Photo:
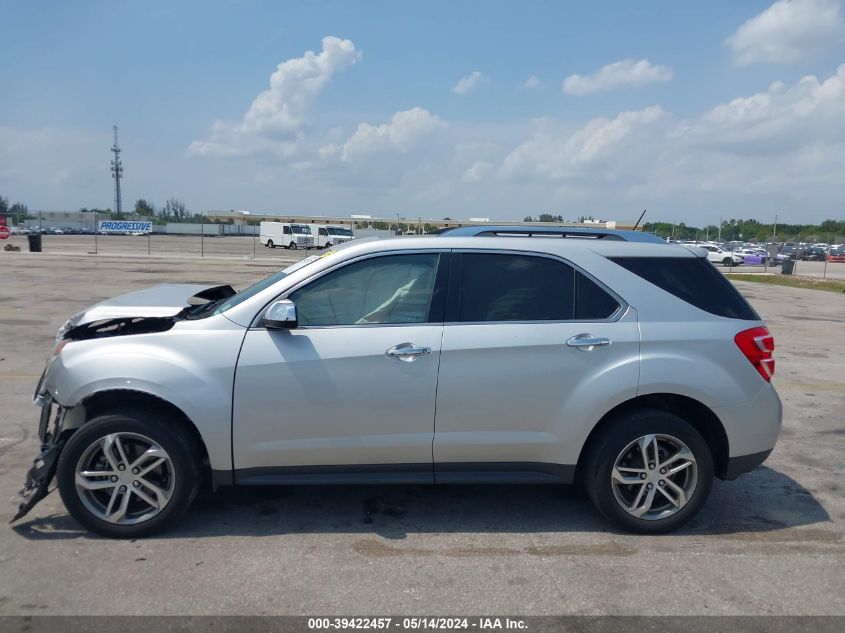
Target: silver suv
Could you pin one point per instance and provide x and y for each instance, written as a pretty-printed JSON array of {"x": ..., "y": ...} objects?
[{"x": 635, "y": 369}]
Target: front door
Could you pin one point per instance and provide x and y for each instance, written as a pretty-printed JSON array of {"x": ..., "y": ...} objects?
[{"x": 348, "y": 395}]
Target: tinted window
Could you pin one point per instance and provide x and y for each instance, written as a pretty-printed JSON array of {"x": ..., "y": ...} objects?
[
  {"x": 592, "y": 303},
  {"x": 694, "y": 280},
  {"x": 390, "y": 289},
  {"x": 497, "y": 287}
]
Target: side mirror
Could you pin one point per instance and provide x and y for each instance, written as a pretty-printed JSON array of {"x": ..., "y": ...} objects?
[{"x": 280, "y": 315}]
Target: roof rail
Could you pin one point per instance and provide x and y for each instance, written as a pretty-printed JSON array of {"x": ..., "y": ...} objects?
[{"x": 550, "y": 231}]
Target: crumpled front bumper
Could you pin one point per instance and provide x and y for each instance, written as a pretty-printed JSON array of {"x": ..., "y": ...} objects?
[{"x": 40, "y": 475}]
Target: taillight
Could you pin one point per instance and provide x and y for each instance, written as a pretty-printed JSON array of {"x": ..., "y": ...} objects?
[{"x": 757, "y": 345}]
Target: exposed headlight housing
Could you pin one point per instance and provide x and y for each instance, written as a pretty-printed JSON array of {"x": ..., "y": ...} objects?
[{"x": 64, "y": 329}]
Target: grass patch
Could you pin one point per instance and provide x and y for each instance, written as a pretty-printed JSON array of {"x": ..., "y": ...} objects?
[{"x": 792, "y": 281}]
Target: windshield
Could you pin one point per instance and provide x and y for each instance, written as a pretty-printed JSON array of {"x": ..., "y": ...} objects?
[
  {"x": 339, "y": 231},
  {"x": 257, "y": 287},
  {"x": 300, "y": 229}
]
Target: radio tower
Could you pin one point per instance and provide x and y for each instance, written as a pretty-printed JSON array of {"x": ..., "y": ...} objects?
[{"x": 116, "y": 172}]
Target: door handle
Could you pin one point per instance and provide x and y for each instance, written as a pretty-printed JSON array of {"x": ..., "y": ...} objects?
[
  {"x": 587, "y": 342},
  {"x": 407, "y": 352}
]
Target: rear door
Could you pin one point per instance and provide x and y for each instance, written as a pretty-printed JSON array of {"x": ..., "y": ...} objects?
[{"x": 533, "y": 351}]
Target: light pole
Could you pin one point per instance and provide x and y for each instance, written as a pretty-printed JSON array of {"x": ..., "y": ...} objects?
[{"x": 397, "y": 223}]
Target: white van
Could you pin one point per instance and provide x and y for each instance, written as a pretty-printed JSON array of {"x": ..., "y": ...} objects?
[
  {"x": 287, "y": 235},
  {"x": 327, "y": 235}
]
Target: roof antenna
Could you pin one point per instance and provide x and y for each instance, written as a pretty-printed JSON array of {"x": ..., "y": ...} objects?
[{"x": 640, "y": 218}]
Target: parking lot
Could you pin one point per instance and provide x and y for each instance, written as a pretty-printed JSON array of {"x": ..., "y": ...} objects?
[{"x": 768, "y": 543}]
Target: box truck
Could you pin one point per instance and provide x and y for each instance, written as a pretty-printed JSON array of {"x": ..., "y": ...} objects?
[
  {"x": 286, "y": 234},
  {"x": 328, "y": 235}
]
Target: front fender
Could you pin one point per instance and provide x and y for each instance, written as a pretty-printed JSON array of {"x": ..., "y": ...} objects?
[{"x": 190, "y": 367}]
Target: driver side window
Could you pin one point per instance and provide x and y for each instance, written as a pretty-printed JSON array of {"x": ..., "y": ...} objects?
[{"x": 389, "y": 289}]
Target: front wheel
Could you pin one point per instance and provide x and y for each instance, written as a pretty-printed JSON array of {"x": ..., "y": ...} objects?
[
  {"x": 128, "y": 474},
  {"x": 727, "y": 261},
  {"x": 292, "y": 246},
  {"x": 650, "y": 472}
]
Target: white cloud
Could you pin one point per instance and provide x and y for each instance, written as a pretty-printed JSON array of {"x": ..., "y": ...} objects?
[
  {"x": 787, "y": 32},
  {"x": 468, "y": 83},
  {"x": 478, "y": 172},
  {"x": 532, "y": 82},
  {"x": 626, "y": 73},
  {"x": 277, "y": 116},
  {"x": 405, "y": 130},
  {"x": 811, "y": 111},
  {"x": 600, "y": 142},
  {"x": 782, "y": 148}
]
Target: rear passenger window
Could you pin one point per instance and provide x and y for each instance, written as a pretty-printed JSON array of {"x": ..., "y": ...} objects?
[
  {"x": 693, "y": 279},
  {"x": 501, "y": 287},
  {"x": 498, "y": 287}
]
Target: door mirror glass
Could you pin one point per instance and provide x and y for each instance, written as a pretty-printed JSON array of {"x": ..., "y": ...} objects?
[{"x": 281, "y": 315}]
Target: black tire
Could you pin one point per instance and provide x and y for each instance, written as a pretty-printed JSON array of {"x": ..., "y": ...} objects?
[
  {"x": 603, "y": 453},
  {"x": 270, "y": 244},
  {"x": 184, "y": 456},
  {"x": 292, "y": 246},
  {"x": 727, "y": 262}
]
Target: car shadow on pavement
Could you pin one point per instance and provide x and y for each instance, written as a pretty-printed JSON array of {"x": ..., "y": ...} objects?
[{"x": 761, "y": 501}]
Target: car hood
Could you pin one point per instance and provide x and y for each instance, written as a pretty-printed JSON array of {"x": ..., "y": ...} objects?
[{"x": 162, "y": 301}]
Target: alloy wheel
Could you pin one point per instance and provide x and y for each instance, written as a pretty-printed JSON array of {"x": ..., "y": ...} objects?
[
  {"x": 654, "y": 477},
  {"x": 125, "y": 478}
]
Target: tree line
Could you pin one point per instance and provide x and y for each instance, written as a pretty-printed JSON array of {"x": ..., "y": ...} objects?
[
  {"x": 18, "y": 210},
  {"x": 173, "y": 210},
  {"x": 832, "y": 231}
]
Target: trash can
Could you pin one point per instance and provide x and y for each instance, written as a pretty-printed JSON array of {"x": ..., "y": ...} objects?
[
  {"x": 34, "y": 242},
  {"x": 788, "y": 267}
]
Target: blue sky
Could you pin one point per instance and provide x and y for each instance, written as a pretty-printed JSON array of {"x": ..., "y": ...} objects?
[{"x": 694, "y": 111}]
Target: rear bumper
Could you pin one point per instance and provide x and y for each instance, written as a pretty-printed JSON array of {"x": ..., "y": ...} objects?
[
  {"x": 752, "y": 429},
  {"x": 744, "y": 463}
]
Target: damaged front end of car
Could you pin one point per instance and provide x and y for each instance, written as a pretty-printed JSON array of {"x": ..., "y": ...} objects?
[
  {"x": 148, "y": 311},
  {"x": 40, "y": 475}
]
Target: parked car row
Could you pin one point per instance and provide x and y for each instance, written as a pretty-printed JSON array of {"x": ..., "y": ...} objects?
[
  {"x": 49, "y": 230},
  {"x": 738, "y": 253}
]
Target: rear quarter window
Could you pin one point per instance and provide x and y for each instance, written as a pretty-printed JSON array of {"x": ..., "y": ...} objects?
[{"x": 694, "y": 280}]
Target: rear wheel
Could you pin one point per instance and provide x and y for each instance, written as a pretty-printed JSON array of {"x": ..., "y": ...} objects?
[
  {"x": 128, "y": 474},
  {"x": 270, "y": 244},
  {"x": 650, "y": 472}
]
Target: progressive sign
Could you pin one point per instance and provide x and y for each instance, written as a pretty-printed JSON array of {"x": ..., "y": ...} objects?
[{"x": 124, "y": 226}]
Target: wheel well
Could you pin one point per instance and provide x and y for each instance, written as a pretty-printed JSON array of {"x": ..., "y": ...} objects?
[
  {"x": 114, "y": 400},
  {"x": 699, "y": 415}
]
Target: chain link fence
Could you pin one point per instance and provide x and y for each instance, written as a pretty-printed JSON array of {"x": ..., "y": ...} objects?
[{"x": 242, "y": 242}]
